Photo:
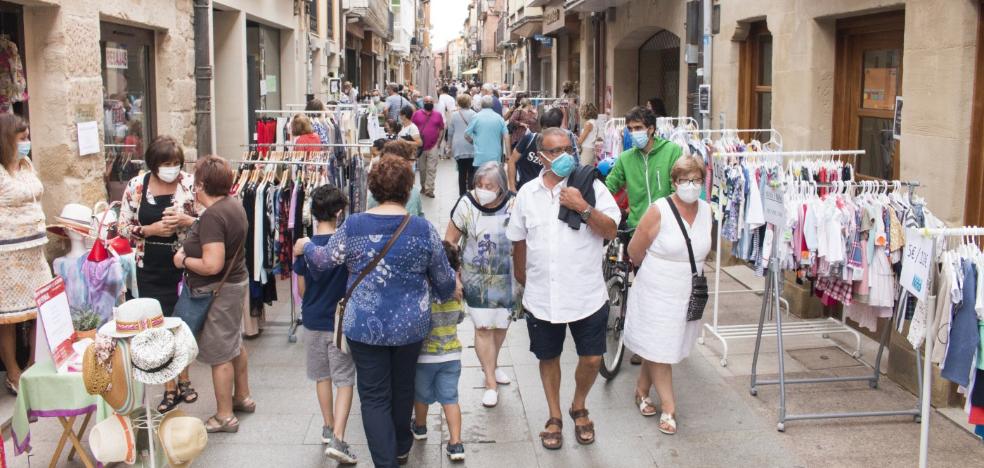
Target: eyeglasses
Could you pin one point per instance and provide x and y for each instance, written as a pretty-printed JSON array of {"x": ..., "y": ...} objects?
[
  {"x": 692, "y": 181},
  {"x": 558, "y": 151}
]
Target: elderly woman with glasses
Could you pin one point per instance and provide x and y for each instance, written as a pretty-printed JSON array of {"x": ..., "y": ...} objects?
[
  {"x": 656, "y": 325},
  {"x": 478, "y": 225}
]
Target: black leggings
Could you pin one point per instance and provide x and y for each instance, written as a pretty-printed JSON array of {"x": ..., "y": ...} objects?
[{"x": 466, "y": 172}]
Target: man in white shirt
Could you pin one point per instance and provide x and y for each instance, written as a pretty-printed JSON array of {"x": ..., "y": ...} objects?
[
  {"x": 560, "y": 268},
  {"x": 445, "y": 105}
]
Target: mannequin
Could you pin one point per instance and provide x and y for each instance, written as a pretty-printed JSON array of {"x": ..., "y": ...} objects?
[{"x": 69, "y": 267}]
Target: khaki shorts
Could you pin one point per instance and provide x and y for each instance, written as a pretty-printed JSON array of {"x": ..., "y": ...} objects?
[{"x": 325, "y": 361}]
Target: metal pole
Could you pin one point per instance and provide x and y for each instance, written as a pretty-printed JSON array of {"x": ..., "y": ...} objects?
[
  {"x": 708, "y": 12},
  {"x": 203, "y": 76}
]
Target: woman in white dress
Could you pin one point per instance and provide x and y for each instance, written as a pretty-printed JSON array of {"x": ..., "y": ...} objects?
[
  {"x": 656, "y": 326},
  {"x": 478, "y": 225}
]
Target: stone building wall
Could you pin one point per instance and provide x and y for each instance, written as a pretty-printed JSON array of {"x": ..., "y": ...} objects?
[{"x": 62, "y": 57}]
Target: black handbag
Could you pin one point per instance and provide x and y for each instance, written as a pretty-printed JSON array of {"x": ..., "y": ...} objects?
[
  {"x": 698, "y": 291},
  {"x": 193, "y": 308}
]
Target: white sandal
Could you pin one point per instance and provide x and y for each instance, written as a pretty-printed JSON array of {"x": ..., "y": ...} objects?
[
  {"x": 667, "y": 419},
  {"x": 644, "y": 404}
]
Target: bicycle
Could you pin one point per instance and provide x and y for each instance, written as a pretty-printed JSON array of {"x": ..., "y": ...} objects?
[{"x": 616, "y": 268}]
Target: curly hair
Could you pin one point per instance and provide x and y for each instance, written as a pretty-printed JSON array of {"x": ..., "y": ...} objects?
[
  {"x": 391, "y": 179},
  {"x": 400, "y": 148}
]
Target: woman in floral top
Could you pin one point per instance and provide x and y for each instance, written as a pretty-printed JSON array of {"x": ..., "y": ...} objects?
[
  {"x": 389, "y": 313},
  {"x": 158, "y": 208}
]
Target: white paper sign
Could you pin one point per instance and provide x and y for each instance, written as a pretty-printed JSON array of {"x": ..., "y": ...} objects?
[
  {"x": 55, "y": 317},
  {"x": 88, "y": 138},
  {"x": 774, "y": 211},
  {"x": 916, "y": 261},
  {"x": 116, "y": 58},
  {"x": 263, "y": 88}
]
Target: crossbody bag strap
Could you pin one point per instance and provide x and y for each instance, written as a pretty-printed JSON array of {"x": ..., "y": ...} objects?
[
  {"x": 690, "y": 249},
  {"x": 375, "y": 261}
]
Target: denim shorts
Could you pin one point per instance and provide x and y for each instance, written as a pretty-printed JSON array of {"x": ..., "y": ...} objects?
[
  {"x": 437, "y": 382},
  {"x": 547, "y": 339}
]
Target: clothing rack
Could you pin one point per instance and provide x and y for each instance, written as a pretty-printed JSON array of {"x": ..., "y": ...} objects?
[
  {"x": 723, "y": 333},
  {"x": 927, "y": 365},
  {"x": 771, "y": 306},
  {"x": 317, "y": 145},
  {"x": 294, "y": 322}
]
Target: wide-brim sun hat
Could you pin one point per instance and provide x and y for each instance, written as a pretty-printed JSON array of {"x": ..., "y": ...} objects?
[
  {"x": 135, "y": 316},
  {"x": 74, "y": 217},
  {"x": 95, "y": 377},
  {"x": 113, "y": 440},
  {"x": 182, "y": 438},
  {"x": 158, "y": 355}
]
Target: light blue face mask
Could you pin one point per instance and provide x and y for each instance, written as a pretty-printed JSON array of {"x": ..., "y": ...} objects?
[
  {"x": 640, "y": 138},
  {"x": 23, "y": 148},
  {"x": 563, "y": 165}
]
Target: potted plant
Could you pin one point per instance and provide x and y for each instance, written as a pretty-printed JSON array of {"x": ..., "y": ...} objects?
[{"x": 85, "y": 322}]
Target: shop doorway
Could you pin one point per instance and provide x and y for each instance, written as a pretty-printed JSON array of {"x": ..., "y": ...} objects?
[
  {"x": 974, "y": 212},
  {"x": 262, "y": 69},
  {"x": 868, "y": 78},
  {"x": 659, "y": 71},
  {"x": 14, "y": 98},
  {"x": 128, "y": 101}
]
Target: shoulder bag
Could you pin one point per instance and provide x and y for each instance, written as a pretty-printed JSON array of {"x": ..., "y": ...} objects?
[
  {"x": 698, "y": 291},
  {"x": 339, "y": 334},
  {"x": 193, "y": 308}
]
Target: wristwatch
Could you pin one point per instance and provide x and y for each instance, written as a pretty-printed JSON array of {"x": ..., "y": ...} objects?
[{"x": 586, "y": 214}]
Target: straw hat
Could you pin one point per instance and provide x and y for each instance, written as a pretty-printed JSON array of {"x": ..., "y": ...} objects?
[
  {"x": 75, "y": 217},
  {"x": 182, "y": 437},
  {"x": 135, "y": 316},
  {"x": 95, "y": 377},
  {"x": 123, "y": 395},
  {"x": 159, "y": 355},
  {"x": 113, "y": 440}
]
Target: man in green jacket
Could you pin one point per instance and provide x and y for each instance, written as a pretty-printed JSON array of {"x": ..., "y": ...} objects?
[
  {"x": 644, "y": 169},
  {"x": 644, "y": 172}
]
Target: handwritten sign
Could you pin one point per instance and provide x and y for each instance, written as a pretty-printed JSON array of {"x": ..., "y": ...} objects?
[
  {"x": 917, "y": 258},
  {"x": 772, "y": 206},
  {"x": 56, "y": 319},
  {"x": 88, "y": 133}
]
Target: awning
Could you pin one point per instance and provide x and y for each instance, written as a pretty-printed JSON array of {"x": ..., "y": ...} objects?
[{"x": 473, "y": 71}]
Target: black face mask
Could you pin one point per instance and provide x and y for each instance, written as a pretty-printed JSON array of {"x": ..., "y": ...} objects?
[{"x": 429, "y": 106}]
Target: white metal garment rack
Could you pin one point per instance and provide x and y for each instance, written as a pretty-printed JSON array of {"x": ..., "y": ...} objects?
[
  {"x": 927, "y": 369},
  {"x": 723, "y": 333},
  {"x": 294, "y": 320},
  {"x": 770, "y": 307}
]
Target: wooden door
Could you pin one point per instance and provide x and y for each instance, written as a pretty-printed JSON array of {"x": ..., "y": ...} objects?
[
  {"x": 974, "y": 211},
  {"x": 868, "y": 78}
]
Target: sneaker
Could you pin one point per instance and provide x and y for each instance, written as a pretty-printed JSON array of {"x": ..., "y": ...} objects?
[
  {"x": 419, "y": 432},
  {"x": 456, "y": 452},
  {"x": 501, "y": 378},
  {"x": 491, "y": 398},
  {"x": 403, "y": 459},
  {"x": 327, "y": 434},
  {"x": 339, "y": 451}
]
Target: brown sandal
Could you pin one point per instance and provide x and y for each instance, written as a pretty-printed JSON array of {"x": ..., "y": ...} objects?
[
  {"x": 553, "y": 440},
  {"x": 581, "y": 429}
]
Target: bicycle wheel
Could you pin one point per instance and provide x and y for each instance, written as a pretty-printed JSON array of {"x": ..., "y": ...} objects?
[
  {"x": 614, "y": 350},
  {"x": 609, "y": 266}
]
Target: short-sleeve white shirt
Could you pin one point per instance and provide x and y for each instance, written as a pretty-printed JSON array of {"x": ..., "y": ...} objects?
[{"x": 564, "y": 281}]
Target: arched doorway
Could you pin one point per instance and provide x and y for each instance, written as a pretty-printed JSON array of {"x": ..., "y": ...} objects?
[{"x": 659, "y": 70}]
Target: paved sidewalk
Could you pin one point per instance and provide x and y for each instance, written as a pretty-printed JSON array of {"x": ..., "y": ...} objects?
[{"x": 721, "y": 425}]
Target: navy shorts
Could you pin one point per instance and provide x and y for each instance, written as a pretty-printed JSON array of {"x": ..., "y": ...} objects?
[{"x": 547, "y": 339}]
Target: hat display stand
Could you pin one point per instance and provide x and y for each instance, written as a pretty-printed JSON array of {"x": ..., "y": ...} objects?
[{"x": 150, "y": 421}]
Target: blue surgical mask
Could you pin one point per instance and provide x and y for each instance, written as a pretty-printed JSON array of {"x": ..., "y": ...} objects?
[
  {"x": 563, "y": 165},
  {"x": 640, "y": 138},
  {"x": 23, "y": 148}
]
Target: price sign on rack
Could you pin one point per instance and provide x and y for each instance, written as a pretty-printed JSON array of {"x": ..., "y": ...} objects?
[
  {"x": 916, "y": 262},
  {"x": 772, "y": 206}
]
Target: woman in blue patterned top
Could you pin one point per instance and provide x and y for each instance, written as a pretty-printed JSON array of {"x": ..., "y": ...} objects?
[{"x": 388, "y": 315}]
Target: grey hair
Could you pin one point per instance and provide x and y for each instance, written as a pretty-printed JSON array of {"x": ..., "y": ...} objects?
[
  {"x": 492, "y": 170},
  {"x": 487, "y": 101},
  {"x": 487, "y": 87},
  {"x": 553, "y": 131}
]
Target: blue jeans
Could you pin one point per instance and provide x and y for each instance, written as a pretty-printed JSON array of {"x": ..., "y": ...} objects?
[
  {"x": 385, "y": 379},
  {"x": 437, "y": 382}
]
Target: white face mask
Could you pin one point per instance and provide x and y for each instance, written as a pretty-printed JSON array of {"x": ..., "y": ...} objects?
[
  {"x": 689, "y": 192},
  {"x": 168, "y": 174},
  {"x": 485, "y": 197}
]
